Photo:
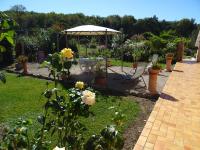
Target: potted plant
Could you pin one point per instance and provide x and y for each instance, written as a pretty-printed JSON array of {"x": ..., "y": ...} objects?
[
  {"x": 169, "y": 58},
  {"x": 180, "y": 46},
  {"x": 136, "y": 55},
  {"x": 153, "y": 73},
  {"x": 107, "y": 54},
  {"x": 100, "y": 78},
  {"x": 22, "y": 59}
]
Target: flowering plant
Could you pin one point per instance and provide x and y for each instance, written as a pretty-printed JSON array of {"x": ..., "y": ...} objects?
[
  {"x": 22, "y": 59},
  {"x": 67, "y": 53},
  {"x": 60, "y": 63},
  {"x": 61, "y": 119}
]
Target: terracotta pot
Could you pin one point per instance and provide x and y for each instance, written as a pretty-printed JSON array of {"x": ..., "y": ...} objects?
[
  {"x": 25, "y": 68},
  {"x": 100, "y": 81},
  {"x": 180, "y": 51},
  {"x": 135, "y": 65},
  {"x": 153, "y": 74},
  {"x": 169, "y": 63}
]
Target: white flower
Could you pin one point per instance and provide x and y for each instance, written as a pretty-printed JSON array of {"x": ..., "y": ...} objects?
[
  {"x": 57, "y": 148},
  {"x": 88, "y": 97}
]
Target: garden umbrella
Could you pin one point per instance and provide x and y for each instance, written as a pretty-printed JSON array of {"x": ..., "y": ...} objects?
[
  {"x": 90, "y": 30},
  {"x": 87, "y": 30}
]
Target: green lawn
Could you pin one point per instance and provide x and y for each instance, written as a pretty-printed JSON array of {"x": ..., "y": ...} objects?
[
  {"x": 117, "y": 62},
  {"x": 21, "y": 97}
]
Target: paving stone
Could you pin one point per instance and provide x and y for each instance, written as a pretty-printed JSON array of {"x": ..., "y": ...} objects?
[{"x": 175, "y": 120}]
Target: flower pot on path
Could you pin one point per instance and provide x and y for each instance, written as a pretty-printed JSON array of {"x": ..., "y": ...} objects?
[
  {"x": 180, "y": 51},
  {"x": 101, "y": 81},
  {"x": 25, "y": 70},
  {"x": 135, "y": 65},
  {"x": 169, "y": 58},
  {"x": 153, "y": 74}
]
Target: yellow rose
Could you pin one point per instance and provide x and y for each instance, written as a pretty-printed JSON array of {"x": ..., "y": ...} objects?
[
  {"x": 67, "y": 53},
  {"x": 79, "y": 85},
  {"x": 88, "y": 97}
]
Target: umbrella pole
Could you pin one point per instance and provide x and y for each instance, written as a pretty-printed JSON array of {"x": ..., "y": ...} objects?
[{"x": 106, "y": 56}]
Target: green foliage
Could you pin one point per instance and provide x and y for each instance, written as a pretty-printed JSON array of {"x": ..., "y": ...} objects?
[
  {"x": 109, "y": 139},
  {"x": 73, "y": 45},
  {"x": 2, "y": 77},
  {"x": 156, "y": 66},
  {"x": 117, "y": 45},
  {"x": 22, "y": 59},
  {"x": 58, "y": 65},
  {"x": 61, "y": 117},
  {"x": 7, "y": 33},
  {"x": 165, "y": 42},
  {"x": 185, "y": 27},
  {"x": 39, "y": 40},
  {"x": 136, "y": 46},
  {"x": 18, "y": 8},
  {"x": 17, "y": 137},
  {"x": 100, "y": 69},
  {"x": 28, "y": 105}
]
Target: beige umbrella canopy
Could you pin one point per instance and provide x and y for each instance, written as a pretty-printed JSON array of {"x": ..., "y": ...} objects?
[{"x": 90, "y": 30}]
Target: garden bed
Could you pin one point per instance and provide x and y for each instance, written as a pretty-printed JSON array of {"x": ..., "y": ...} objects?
[{"x": 21, "y": 97}]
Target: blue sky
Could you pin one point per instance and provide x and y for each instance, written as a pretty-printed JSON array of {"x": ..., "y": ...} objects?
[{"x": 164, "y": 9}]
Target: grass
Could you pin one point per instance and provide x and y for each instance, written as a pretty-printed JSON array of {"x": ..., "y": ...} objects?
[
  {"x": 21, "y": 97},
  {"x": 117, "y": 62}
]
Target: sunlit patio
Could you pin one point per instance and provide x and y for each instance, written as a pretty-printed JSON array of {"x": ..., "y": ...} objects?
[{"x": 175, "y": 120}]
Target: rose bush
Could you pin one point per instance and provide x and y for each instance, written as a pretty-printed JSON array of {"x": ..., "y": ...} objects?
[
  {"x": 88, "y": 97},
  {"x": 60, "y": 120}
]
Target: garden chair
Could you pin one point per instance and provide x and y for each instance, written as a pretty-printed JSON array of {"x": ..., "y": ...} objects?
[{"x": 138, "y": 74}]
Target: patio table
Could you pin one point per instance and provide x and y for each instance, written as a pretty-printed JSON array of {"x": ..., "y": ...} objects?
[{"x": 88, "y": 64}]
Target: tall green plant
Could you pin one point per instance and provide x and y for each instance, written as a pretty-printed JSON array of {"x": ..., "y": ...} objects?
[
  {"x": 2, "y": 77},
  {"x": 6, "y": 32}
]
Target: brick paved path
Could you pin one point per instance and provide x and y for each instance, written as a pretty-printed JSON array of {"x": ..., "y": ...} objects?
[{"x": 174, "y": 123}]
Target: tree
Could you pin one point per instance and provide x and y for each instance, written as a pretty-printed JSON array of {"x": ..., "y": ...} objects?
[
  {"x": 148, "y": 25},
  {"x": 128, "y": 24},
  {"x": 18, "y": 8},
  {"x": 185, "y": 27}
]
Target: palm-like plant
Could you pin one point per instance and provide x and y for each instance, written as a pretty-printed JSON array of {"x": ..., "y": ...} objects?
[{"x": 2, "y": 77}]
